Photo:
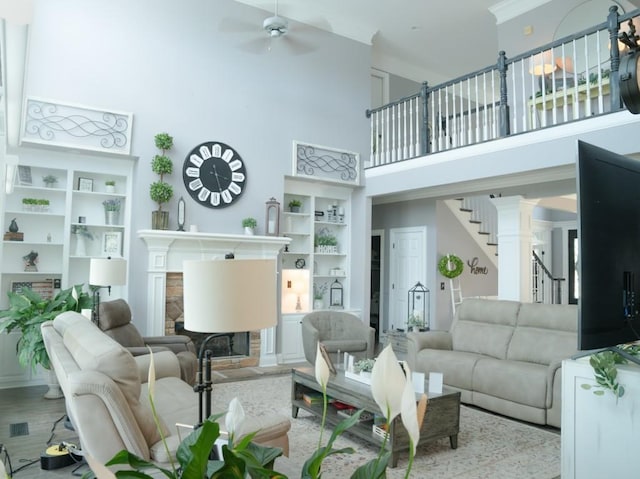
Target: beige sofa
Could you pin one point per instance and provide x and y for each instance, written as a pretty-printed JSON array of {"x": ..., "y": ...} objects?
[
  {"x": 503, "y": 356},
  {"x": 107, "y": 398}
]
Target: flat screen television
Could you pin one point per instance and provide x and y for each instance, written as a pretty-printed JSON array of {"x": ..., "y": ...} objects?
[{"x": 608, "y": 187}]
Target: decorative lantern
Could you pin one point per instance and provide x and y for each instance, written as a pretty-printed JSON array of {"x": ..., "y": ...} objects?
[
  {"x": 272, "y": 221},
  {"x": 335, "y": 295},
  {"x": 418, "y": 307}
]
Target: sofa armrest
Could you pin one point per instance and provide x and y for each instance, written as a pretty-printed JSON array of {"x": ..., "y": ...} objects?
[
  {"x": 144, "y": 350},
  {"x": 426, "y": 340},
  {"x": 176, "y": 343},
  {"x": 165, "y": 362},
  {"x": 551, "y": 374}
]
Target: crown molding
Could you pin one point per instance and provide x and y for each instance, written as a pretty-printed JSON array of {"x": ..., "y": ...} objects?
[{"x": 508, "y": 9}]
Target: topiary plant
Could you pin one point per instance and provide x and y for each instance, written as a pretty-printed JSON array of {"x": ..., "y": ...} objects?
[{"x": 160, "y": 191}]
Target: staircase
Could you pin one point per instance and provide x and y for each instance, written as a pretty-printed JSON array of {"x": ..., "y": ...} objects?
[{"x": 479, "y": 217}]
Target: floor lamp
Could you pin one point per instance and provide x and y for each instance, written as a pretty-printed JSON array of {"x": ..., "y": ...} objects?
[
  {"x": 226, "y": 296},
  {"x": 104, "y": 273}
]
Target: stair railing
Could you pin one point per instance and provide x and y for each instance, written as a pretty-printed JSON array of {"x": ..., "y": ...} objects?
[{"x": 539, "y": 273}]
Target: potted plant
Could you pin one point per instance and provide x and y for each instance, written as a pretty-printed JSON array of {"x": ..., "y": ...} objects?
[
  {"x": 160, "y": 191},
  {"x": 27, "y": 311},
  {"x": 111, "y": 211},
  {"x": 110, "y": 186},
  {"x": 82, "y": 234},
  {"x": 294, "y": 206},
  {"x": 325, "y": 242},
  {"x": 49, "y": 180},
  {"x": 249, "y": 224},
  {"x": 318, "y": 295}
]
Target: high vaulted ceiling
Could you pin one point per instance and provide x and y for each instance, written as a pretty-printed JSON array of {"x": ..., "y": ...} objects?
[{"x": 412, "y": 38}]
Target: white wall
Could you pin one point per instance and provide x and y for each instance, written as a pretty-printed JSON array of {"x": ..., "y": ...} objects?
[{"x": 177, "y": 68}]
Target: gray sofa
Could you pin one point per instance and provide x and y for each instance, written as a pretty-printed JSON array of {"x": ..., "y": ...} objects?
[{"x": 503, "y": 356}]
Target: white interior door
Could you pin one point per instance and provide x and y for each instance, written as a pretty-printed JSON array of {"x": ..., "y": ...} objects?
[
  {"x": 379, "y": 88},
  {"x": 407, "y": 264}
]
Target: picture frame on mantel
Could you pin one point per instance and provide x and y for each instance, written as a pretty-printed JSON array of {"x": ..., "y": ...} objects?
[{"x": 326, "y": 164}]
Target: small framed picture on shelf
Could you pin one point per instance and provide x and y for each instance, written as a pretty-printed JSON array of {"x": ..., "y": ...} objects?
[
  {"x": 24, "y": 175},
  {"x": 112, "y": 243},
  {"x": 85, "y": 184}
]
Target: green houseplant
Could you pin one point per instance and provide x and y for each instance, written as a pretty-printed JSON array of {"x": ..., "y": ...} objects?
[
  {"x": 49, "y": 180},
  {"x": 294, "y": 206},
  {"x": 28, "y": 310},
  {"x": 249, "y": 224},
  {"x": 161, "y": 191}
]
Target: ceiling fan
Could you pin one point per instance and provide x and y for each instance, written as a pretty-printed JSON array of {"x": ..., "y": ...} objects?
[
  {"x": 278, "y": 33},
  {"x": 276, "y": 26}
]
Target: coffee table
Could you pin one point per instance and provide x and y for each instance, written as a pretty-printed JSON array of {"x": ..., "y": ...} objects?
[{"x": 441, "y": 420}]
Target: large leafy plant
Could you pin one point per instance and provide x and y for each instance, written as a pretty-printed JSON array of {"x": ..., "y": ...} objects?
[{"x": 28, "y": 310}]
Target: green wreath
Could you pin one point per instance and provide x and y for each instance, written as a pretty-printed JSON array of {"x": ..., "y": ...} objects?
[{"x": 443, "y": 266}]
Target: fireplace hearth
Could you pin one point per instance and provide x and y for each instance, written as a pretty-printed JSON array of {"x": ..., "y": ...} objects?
[{"x": 225, "y": 345}]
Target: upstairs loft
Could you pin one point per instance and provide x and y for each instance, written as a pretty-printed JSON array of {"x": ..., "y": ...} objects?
[{"x": 511, "y": 127}]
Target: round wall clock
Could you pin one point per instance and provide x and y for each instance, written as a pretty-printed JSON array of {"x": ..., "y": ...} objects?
[{"x": 214, "y": 174}]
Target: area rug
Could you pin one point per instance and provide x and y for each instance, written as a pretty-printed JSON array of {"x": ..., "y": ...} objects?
[{"x": 489, "y": 446}]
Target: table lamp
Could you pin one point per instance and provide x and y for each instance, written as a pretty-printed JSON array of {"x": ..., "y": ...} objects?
[
  {"x": 104, "y": 273},
  {"x": 226, "y": 296}
]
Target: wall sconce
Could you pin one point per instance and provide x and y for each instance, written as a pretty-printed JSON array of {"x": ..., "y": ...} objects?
[
  {"x": 418, "y": 307},
  {"x": 295, "y": 290},
  {"x": 272, "y": 220},
  {"x": 336, "y": 298}
]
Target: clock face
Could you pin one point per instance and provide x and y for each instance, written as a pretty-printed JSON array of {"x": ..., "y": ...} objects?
[{"x": 214, "y": 174}]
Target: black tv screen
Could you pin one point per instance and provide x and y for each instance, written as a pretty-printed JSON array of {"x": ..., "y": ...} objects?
[{"x": 608, "y": 187}]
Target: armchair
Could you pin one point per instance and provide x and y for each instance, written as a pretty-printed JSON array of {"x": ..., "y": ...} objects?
[
  {"x": 106, "y": 395},
  {"x": 115, "y": 321},
  {"x": 338, "y": 331}
]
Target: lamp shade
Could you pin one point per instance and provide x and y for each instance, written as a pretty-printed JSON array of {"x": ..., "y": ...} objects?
[
  {"x": 231, "y": 295},
  {"x": 542, "y": 63},
  {"x": 107, "y": 272}
]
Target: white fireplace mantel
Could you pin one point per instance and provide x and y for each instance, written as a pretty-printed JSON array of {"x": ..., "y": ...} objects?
[{"x": 168, "y": 249}]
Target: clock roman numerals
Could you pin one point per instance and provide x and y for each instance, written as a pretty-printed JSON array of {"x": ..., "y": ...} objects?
[{"x": 214, "y": 174}]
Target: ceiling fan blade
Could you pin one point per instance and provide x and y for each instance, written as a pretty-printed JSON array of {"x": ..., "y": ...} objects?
[
  {"x": 257, "y": 46},
  {"x": 295, "y": 45}
]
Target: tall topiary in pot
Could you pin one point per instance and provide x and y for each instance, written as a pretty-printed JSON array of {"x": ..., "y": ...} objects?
[{"x": 161, "y": 191}]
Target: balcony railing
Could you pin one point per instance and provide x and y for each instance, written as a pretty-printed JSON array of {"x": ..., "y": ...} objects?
[{"x": 570, "y": 79}]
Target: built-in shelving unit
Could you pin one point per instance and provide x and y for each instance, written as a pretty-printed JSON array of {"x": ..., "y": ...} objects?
[
  {"x": 324, "y": 213},
  {"x": 51, "y": 230}
]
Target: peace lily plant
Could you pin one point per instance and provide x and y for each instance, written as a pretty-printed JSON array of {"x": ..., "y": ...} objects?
[{"x": 391, "y": 388}]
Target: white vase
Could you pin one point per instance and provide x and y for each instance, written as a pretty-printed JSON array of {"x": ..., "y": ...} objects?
[
  {"x": 81, "y": 245},
  {"x": 318, "y": 304},
  {"x": 248, "y": 230},
  {"x": 54, "y": 392},
  {"x": 110, "y": 188}
]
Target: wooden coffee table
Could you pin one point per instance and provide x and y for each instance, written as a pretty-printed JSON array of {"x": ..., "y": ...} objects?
[{"x": 442, "y": 418}]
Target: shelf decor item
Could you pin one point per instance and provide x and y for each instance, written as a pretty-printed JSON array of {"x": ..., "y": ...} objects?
[
  {"x": 295, "y": 205},
  {"x": 49, "y": 181},
  {"x": 336, "y": 299},
  {"x": 110, "y": 186},
  {"x": 318, "y": 295},
  {"x": 418, "y": 308},
  {"x": 325, "y": 242},
  {"x": 249, "y": 225},
  {"x": 13, "y": 234},
  {"x": 82, "y": 234},
  {"x": 112, "y": 243},
  {"x": 161, "y": 191},
  {"x": 30, "y": 261},
  {"x": 112, "y": 211},
  {"x": 272, "y": 218}
]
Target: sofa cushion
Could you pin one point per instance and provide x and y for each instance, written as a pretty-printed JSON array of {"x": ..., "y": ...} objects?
[
  {"x": 351, "y": 345},
  {"x": 456, "y": 366},
  {"x": 520, "y": 382},
  {"x": 484, "y": 327},
  {"x": 544, "y": 333}
]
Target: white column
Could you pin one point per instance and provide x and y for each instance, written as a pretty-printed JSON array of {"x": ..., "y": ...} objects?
[{"x": 514, "y": 247}]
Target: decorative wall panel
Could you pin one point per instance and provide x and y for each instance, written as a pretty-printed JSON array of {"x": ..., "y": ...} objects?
[{"x": 71, "y": 126}]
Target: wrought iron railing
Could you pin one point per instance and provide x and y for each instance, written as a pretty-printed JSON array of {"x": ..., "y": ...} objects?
[
  {"x": 546, "y": 288},
  {"x": 570, "y": 79}
]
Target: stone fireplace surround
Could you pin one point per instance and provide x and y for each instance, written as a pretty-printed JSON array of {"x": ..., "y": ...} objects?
[{"x": 166, "y": 252}]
